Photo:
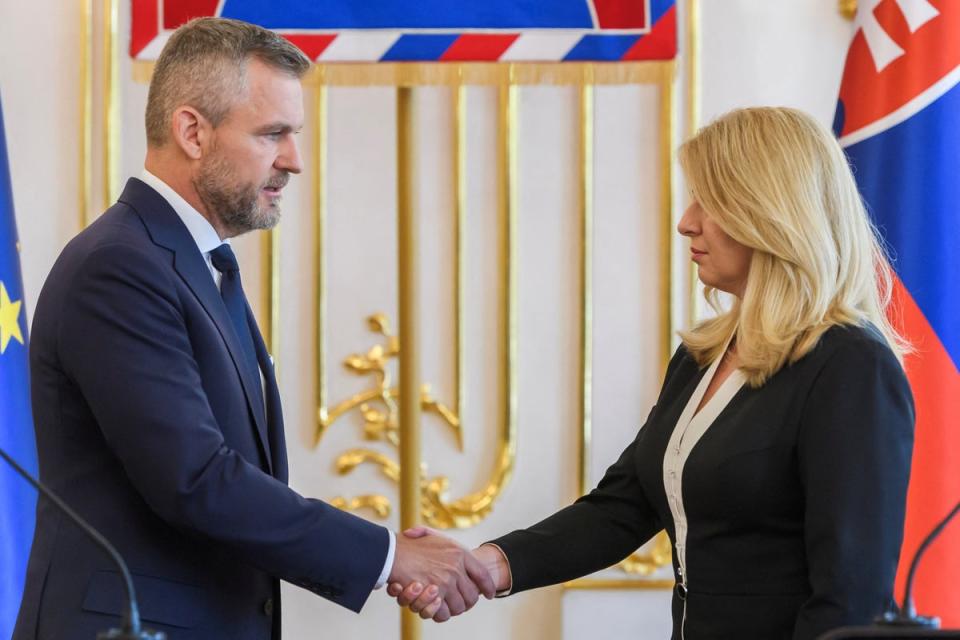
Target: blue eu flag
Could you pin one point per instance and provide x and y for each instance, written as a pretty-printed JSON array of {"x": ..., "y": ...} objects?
[{"x": 17, "y": 499}]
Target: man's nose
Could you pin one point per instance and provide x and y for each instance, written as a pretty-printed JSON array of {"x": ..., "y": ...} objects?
[{"x": 289, "y": 159}]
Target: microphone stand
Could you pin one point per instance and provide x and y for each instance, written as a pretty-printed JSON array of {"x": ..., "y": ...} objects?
[
  {"x": 131, "y": 618},
  {"x": 907, "y": 616}
]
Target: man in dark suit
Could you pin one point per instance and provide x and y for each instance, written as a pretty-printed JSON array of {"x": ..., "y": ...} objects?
[{"x": 157, "y": 411}]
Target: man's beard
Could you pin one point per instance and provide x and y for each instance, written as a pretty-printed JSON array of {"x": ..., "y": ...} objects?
[{"x": 236, "y": 206}]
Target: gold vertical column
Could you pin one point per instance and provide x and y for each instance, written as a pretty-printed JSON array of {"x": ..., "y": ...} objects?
[
  {"x": 637, "y": 563},
  {"x": 585, "y": 204},
  {"x": 111, "y": 103},
  {"x": 693, "y": 121},
  {"x": 693, "y": 66},
  {"x": 667, "y": 144},
  {"x": 320, "y": 202},
  {"x": 86, "y": 110},
  {"x": 460, "y": 208},
  {"x": 408, "y": 290},
  {"x": 472, "y": 508},
  {"x": 507, "y": 206},
  {"x": 271, "y": 290}
]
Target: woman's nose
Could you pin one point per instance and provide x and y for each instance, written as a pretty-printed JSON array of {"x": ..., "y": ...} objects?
[{"x": 688, "y": 224}]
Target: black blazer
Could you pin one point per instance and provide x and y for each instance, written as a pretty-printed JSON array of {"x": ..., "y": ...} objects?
[
  {"x": 144, "y": 426},
  {"x": 794, "y": 498}
]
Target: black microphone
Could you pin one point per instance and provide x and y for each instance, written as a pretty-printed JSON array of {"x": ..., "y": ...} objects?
[
  {"x": 131, "y": 618},
  {"x": 907, "y": 616}
]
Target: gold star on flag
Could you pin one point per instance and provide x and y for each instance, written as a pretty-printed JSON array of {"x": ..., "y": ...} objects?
[{"x": 9, "y": 319}]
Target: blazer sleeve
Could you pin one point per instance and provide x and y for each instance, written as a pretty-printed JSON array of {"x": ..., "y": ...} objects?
[
  {"x": 598, "y": 530},
  {"x": 123, "y": 340},
  {"x": 855, "y": 445}
]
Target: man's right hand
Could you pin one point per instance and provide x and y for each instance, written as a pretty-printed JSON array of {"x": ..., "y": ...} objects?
[{"x": 438, "y": 563}]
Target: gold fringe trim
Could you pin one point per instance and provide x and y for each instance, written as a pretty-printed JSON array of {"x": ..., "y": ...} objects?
[{"x": 410, "y": 74}]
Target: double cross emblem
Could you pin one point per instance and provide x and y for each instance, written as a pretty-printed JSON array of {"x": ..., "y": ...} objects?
[{"x": 883, "y": 48}]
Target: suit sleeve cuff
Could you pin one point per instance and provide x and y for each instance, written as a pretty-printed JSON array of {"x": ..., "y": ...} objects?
[{"x": 388, "y": 563}]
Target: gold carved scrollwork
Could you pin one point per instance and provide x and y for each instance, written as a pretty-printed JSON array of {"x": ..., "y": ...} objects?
[
  {"x": 645, "y": 564},
  {"x": 379, "y": 504},
  {"x": 379, "y": 408}
]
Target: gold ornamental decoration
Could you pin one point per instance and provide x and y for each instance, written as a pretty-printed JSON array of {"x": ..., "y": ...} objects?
[
  {"x": 379, "y": 410},
  {"x": 848, "y": 8}
]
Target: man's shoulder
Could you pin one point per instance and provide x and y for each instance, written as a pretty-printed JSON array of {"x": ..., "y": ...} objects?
[
  {"x": 106, "y": 261},
  {"x": 135, "y": 220},
  {"x": 120, "y": 226},
  {"x": 118, "y": 240}
]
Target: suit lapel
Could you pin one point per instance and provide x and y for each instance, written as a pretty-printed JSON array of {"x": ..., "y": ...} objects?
[
  {"x": 278, "y": 445},
  {"x": 167, "y": 230}
]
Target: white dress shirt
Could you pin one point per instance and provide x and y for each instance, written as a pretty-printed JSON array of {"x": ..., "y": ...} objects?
[
  {"x": 207, "y": 239},
  {"x": 199, "y": 227}
]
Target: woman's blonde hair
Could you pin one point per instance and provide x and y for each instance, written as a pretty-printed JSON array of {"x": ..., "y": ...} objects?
[{"x": 778, "y": 182}]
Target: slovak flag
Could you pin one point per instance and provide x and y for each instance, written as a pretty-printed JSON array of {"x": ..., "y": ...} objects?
[{"x": 898, "y": 118}]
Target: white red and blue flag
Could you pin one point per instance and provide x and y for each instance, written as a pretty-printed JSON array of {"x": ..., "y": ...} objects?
[
  {"x": 434, "y": 30},
  {"x": 898, "y": 118}
]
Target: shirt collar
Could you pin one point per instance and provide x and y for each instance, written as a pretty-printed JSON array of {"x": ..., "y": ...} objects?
[{"x": 202, "y": 232}]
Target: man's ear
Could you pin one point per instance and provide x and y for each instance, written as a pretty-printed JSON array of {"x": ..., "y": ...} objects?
[{"x": 191, "y": 131}]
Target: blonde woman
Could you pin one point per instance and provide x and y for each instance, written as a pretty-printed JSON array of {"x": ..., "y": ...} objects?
[{"x": 778, "y": 453}]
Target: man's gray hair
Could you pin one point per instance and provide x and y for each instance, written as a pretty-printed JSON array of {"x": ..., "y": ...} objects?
[{"x": 203, "y": 66}]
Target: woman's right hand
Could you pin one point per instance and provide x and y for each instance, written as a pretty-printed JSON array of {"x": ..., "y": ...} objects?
[{"x": 491, "y": 557}]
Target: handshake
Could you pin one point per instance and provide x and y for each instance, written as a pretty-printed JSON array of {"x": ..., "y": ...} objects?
[{"x": 438, "y": 579}]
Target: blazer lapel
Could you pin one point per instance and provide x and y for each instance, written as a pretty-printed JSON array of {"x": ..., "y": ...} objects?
[{"x": 167, "y": 230}]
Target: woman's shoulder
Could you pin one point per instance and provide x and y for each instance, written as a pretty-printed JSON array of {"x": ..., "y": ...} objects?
[
  {"x": 682, "y": 359},
  {"x": 680, "y": 370},
  {"x": 854, "y": 348},
  {"x": 854, "y": 337}
]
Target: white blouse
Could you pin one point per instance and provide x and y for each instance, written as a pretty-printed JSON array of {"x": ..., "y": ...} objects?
[{"x": 689, "y": 429}]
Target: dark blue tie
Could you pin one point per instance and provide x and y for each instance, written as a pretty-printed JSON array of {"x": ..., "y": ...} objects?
[{"x": 231, "y": 289}]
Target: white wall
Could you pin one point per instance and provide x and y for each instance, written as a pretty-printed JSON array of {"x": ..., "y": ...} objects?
[
  {"x": 753, "y": 52},
  {"x": 788, "y": 53},
  {"x": 40, "y": 86}
]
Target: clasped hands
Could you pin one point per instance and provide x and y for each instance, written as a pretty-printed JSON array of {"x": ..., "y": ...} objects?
[{"x": 438, "y": 579}]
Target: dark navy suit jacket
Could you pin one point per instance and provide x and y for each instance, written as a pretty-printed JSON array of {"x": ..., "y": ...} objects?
[
  {"x": 144, "y": 425},
  {"x": 794, "y": 498}
]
